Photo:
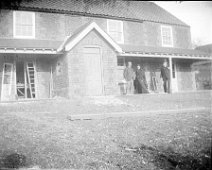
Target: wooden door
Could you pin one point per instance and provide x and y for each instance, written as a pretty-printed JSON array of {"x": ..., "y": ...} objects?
[
  {"x": 7, "y": 82},
  {"x": 93, "y": 71}
]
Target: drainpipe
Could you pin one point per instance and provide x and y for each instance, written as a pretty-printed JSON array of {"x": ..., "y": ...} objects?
[{"x": 171, "y": 76}]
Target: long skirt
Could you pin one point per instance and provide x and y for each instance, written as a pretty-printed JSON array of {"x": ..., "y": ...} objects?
[{"x": 142, "y": 86}]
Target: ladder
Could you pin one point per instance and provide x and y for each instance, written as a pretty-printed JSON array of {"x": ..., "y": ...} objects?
[
  {"x": 154, "y": 81},
  {"x": 31, "y": 78}
]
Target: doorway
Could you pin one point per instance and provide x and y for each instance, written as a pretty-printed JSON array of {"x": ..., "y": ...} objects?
[
  {"x": 93, "y": 71},
  {"x": 7, "y": 81}
]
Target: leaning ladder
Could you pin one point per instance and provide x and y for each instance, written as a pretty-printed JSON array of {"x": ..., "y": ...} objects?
[
  {"x": 31, "y": 78},
  {"x": 154, "y": 81}
]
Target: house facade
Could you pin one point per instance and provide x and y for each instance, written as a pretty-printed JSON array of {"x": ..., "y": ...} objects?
[{"x": 67, "y": 48}]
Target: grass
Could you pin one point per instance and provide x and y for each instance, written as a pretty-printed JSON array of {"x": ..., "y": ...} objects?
[
  {"x": 41, "y": 135},
  {"x": 133, "y": 143}
]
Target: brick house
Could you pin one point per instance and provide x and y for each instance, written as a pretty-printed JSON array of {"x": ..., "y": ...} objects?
[{"x": 67, "y": 48}]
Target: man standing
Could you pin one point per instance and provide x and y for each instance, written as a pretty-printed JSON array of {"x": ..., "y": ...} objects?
[
  {"x": 129, "y": 76},
  {"x": 165, "y": 74}
]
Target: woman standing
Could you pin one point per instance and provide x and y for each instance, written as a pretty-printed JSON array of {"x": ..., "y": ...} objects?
[{"x": 140, "y": 81}]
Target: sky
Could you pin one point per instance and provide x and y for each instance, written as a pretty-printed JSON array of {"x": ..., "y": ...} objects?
[{"x": 197, "y": 14}]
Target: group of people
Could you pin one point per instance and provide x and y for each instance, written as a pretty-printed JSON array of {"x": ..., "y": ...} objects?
[{"x": 136, "y": 80}]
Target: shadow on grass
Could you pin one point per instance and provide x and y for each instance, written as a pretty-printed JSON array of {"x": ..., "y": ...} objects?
[
  {"x": 13, "y": 160},
  {"x": 165, "y": 159},
  {"x": 168, "y": 159}
]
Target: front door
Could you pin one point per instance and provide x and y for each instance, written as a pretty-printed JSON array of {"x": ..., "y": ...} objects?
[
  {"x": 174, "y": 77},
  {"x": 7, "y": 81},
  {"x": 93, "y": 71}
]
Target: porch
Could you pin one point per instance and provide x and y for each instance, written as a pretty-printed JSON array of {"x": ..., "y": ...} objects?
[
  {"x": 182, "y": 63},
  {"x": 26, "y": 76}
]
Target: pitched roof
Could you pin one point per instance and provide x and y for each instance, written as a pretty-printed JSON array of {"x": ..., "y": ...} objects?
[
  {"x": 80, "y": 33},
  {"x": 129, "y": 10},
  {"x": 164, "y": 51}
]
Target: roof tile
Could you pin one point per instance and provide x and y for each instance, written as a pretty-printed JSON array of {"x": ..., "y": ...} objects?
[{"x": 135, "y": 10}]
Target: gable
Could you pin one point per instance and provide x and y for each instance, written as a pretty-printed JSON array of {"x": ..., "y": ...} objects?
[{"x": 73, "y": 40}]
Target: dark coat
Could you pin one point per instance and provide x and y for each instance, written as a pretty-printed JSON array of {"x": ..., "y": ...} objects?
[
  {"x": 140, "y": 75},
  {"x": 140, "y": 81},
  {"x": 165, "y": 73}
]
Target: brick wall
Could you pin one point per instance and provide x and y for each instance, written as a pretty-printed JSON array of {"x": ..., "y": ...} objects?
[
  {"x": 43, "y": 66},
  {"x": 203, "y": 76},
  {"x": 183, "y": 37},
  {"x": 75, "y": 22},
  {"x": 146, "y": 33},
  {"x": 51, "y": 26},
  {"x": 6, "y": 24},
  {"x": 152, "y": 34},
  {"x": 60, "y": 76},
  {"x": 134, "y": 33},
  {"x": 185, "y": 76}
]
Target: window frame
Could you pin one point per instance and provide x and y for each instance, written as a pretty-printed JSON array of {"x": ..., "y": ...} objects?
[
  {"x": 171, "y": 35},
  {"x": 14, "y": 26},
  {"x": 122, "y": 30},
  {"x": 123, "y": 59}
]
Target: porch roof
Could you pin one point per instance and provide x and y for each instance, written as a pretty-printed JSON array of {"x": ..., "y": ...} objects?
[
  {"x": 28, "y": 45},
  {"x": 164, "y": 51}
]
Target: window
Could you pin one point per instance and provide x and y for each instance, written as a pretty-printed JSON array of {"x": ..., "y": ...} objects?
[
  {"x": 23, "y": 24},
  {"x": 166, "y": 34},
  {"x": 115, "y": 30},
  {"x": 58, "y": 69},
  {"x": 120, "y": 61}
]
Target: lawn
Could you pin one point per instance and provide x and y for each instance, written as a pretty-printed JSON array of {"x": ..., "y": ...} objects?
[{"x": 48, "y": 139}]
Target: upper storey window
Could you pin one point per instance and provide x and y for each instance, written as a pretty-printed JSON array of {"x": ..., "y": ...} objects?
[
  {"x": 23, "y": 24},
  {"x": 166, "y": 34},
  {"x": 115, "y": 30}
]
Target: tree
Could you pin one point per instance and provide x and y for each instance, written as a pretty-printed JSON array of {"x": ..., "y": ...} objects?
[
  {"x": 8, "y": 4},
  {"x": 196, "y": 42}
]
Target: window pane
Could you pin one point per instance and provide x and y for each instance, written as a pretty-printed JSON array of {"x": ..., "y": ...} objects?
[
  {"x": 115, "y": 26},
  {"x": 117, "y": 36},
  {"x": 115, "y": 30},
  {"x": 120, "y": 61},
  {"x": 18, "y": 30},
  {"x": 27, "y": 30},
  {"x": 166, "y": 36},
  {"x": 112, "y": 26},
  {"x": 24, "y": 23}
]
